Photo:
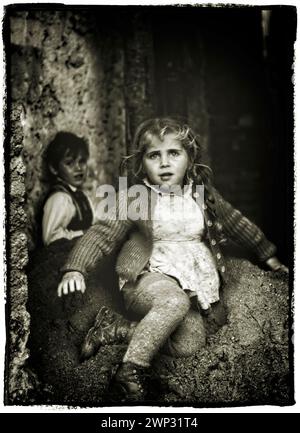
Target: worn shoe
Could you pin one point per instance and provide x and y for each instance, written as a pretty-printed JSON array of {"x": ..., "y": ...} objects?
[
  {"x": 130, "y": 382},
  {"x": 109, "y": 328}
]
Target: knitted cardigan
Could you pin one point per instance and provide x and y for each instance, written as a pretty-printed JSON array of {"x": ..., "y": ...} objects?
[{"x": 220, "y": 219}]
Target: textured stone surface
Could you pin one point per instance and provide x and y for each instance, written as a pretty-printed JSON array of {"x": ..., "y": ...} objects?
[
  {"x": 245, "y": 362},
  {"x": 19, "y": 380}
]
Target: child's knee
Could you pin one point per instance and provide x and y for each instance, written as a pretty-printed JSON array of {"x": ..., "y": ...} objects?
[{"x": 179, "y": 303}]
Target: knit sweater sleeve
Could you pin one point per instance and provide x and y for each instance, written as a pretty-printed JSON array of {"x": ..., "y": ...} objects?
[
  {"x": 99, "y": 240},
  {"x": 242, "y": 231}
]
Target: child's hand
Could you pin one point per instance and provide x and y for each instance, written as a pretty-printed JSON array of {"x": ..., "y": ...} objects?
[
  {"x": 275, "y": 265},
  {"x": 71, "y": 282}
]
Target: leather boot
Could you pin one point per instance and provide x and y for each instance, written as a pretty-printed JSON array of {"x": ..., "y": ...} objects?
[
  {"x": 130, "y": 382},
  {"x": 109, "y": 328}
]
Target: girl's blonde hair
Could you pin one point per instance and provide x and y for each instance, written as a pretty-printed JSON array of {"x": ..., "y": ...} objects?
[{"x": 159, "y": 127}]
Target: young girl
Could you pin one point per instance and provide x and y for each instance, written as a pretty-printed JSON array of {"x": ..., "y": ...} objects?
[
  {"x": 67, "y": 212},
  {"x": 171, "y": 258}
]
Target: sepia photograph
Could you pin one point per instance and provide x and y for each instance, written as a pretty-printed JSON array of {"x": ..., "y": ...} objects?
[{"x": 149, "y": 199}]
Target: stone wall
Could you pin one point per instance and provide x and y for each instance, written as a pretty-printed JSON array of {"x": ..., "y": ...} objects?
[{"x": 18, "y": 380}]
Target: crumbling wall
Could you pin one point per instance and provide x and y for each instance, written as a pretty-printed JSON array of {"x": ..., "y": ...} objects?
[{"x": 19, "y": 381}]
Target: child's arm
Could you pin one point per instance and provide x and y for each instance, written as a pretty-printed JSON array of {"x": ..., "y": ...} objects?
[
  {"x": 245, "y": 233},
  {"x": 99, "y": 240},
  {"x": 58, "y": 213}
]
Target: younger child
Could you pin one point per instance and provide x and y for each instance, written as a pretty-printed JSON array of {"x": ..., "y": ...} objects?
[
  {"x": 171, "y": 258},
  {"x": 65, "y": 215},
  {"x": 67, "y": 212}
]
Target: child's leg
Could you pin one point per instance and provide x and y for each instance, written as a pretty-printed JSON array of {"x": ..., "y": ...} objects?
[
  {"x": 189, "y": 337},
  {"x": 164, "y": 305}
]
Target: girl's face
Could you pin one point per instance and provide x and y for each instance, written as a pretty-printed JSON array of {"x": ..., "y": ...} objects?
[
  {"x": 72, "y": 169},
  {"x": 165, "y": 162}
]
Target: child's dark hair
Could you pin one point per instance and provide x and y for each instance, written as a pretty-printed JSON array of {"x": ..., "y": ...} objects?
[
  {"x": 159, "y": 127},
  {"x": 64, "y": 143}
]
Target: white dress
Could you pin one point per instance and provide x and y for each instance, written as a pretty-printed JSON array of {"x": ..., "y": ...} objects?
[{"x": 178, "y": 249}]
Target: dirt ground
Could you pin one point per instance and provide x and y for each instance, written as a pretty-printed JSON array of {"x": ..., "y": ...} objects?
[{"x": 245, "y": 362}]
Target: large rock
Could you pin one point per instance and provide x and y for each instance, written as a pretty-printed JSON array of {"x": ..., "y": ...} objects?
[{"x": 247, "y": 361}]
